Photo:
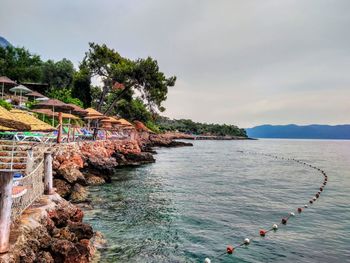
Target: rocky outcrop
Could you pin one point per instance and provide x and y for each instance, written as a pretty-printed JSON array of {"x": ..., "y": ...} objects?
[
  {"x": 51, "y": 230},
  {"x": 80, "y": 164}
]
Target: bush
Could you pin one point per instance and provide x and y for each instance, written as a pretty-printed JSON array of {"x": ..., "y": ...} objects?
[{"x": 5, "y": 105}]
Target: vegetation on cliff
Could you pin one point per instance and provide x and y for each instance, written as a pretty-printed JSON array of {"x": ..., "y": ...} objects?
[{"x": 191, "y": 127}]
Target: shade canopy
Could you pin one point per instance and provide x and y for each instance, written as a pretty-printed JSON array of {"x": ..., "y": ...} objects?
[
  {"x": 34, "y": 123},
  {"x": 125, "y": 123},
  {"x": 78, "y": 110},
  {"x": 50, "y": 113},
  {"x": 8, "y": 119},
  {"x": 110, "y": 120},
  {"x": 20, "y": 88},
  {"x": 53, "y": 103},
  {"x": 35, "y": 94},
  {"x": 6, "y": 80},
  {"x": 92, "y": 112}
]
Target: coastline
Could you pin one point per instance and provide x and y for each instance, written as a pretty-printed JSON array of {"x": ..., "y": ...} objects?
[{"x": 76, "y": 166}]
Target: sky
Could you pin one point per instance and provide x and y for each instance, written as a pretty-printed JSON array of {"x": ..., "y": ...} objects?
[{"x": 242, "y": 62}]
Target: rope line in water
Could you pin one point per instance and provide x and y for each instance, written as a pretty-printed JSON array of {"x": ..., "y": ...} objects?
[{"x": 231, "y": 249}]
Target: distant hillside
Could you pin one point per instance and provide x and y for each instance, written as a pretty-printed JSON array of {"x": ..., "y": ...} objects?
[
  {"x": 300, "y": 132},
  {"x": 4, "y": 43}
]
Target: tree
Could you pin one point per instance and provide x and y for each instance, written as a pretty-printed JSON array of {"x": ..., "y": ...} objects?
[
  {"x": 82, "y": 87},
  {"x": 58, "y": 74},
  {"x": 122, "y": 77},
  {"x": 20, "y": 65}
]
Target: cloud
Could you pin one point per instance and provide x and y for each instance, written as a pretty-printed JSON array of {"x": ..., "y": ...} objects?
[{"x": 241, "y": 62}]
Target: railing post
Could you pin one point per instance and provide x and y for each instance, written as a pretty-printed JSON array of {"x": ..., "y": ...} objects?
[
  {"x": 6, "y": 180},
  {"x": 59, "y": 135},
  {"x": 48, "y": 180},
  {"x": 30, "y": 162}
]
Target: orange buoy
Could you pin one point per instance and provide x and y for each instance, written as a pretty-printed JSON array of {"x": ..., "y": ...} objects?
[
  {"x": 262, "y": 232},
  {"x": 311, "y": 201},
  {"x": 299, "y": 210},
  {"x": 284, "y": 221},
  {"x": 321, "y": 189},
  {"x": 317, "y": 195},
  {"x": 230, "y": 249}
]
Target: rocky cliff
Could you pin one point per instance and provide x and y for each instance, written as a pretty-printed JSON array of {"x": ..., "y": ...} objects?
[{"x": 51, "y": 230}]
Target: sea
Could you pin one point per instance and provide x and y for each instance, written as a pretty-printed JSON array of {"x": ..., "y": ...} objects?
[{"x": 193, "y": 202}]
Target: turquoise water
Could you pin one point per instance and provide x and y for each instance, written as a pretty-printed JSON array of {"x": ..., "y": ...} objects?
[{"x": 194, "y": 201}]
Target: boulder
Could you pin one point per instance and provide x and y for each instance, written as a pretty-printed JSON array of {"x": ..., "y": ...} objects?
[
  {"x": 63, "y": 188},
  {"x": 81, "y": 230},
  {"x": 70, "y": 172},
  {"x": 94, "y": 180},
  {"x": 79, "y": 194}
]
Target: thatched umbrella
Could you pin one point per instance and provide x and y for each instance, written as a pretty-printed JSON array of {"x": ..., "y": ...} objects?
[
  {"x": 8, "y": 120},
  {"x": 35, "y": 124},
  {"x": 21, "y": 89},
  {"x": 5, "y": 80},
  {"x": 53, "y": 104},
  {"x": 78, "y": 110},
  {"x": 35, "y": 95}
]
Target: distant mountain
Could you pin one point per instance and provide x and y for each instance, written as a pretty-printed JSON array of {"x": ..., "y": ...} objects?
[
  {"x": 4, "y": 42},
  {"x": 293, "y": 131}
]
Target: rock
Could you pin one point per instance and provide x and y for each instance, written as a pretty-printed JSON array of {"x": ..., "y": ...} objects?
[
  {"x": 65, "y": 251},
  {"x": 78, "y": 216},
  {"x": 137, "y": 159},
  {"x": 59, "y": 216},
  {"x": 79, "y": 194},
  {"x": 27, "y": 255},
  {"x": 63, "y": 188},
  {"x": 44, "y": 257},
  {"x": 71, "y": 173},
  {"x": 94, "y": 180},
  {"x": 81, "y": 230}
]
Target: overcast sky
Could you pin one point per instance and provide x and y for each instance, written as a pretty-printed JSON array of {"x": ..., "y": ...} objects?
[{"x": 246, "y": 62}]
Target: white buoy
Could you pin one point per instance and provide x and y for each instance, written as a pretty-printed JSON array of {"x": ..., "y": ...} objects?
[
  {"x": 306, "y": 206},
  {"x": 292, "y": 214},
  {"x": 314, "y": 198},
  {"x": 274, "y": 226},
  {"x": 246, "y": 241},
  {"x": 207, "y": 260}
]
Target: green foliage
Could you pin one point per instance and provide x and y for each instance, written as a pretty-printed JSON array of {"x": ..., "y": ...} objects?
[
  {"x": 190, "y": 127},
  {"x": 20, "y": 65},
  {"x": 82, "y": 87},
  {"x": 134, "y": 110},
  {"x": 58, "y": 74},
  {"x": 152, "y": 126},
  {"x": 31, "y": 104},
  {"x": 65, "y": 95},
  {"x": 142, "y": 75},
  {"x": 5, "y": 105}
]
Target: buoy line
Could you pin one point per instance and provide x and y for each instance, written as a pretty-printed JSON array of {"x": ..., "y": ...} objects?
[{"x": 231, "y": 249}]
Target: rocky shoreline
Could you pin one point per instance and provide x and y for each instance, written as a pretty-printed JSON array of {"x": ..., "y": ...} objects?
[{"x": 52, "y": 229}]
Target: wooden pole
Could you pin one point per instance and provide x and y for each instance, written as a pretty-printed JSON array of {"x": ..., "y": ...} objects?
[
  {"x": 6, "y": 180},
  {"x": 48, "y": 179},
  {"x": 59, "y": 135}
]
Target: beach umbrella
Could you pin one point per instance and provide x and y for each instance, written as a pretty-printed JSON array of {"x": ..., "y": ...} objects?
[
  {"x": 55, "y": 105},
  {"x": 5, "y": 80},
  {"x": 35, "y": 124},
  {"x": 35, "y": 95},
  {"x": 78, "y": 110},
  {"x": 21, "y": 89},
  {"x": 9, "y": 120}
]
